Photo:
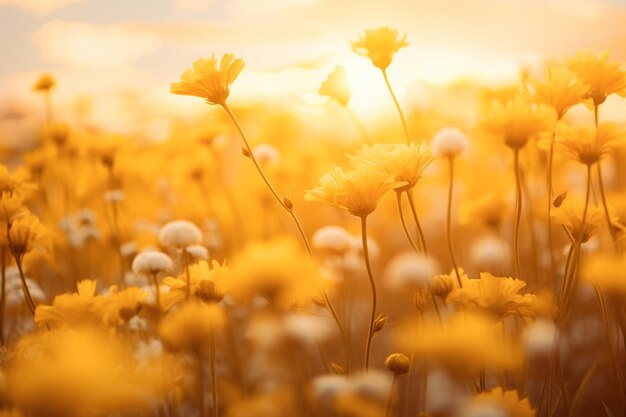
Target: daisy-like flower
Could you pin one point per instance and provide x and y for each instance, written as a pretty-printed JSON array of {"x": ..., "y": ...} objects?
[
  {"x": 380, "y": 45},
  {"x": 570, "y": 215},
  {"x": 560, "y": 89},
  {"x": 517, "y": 121},
  {"x": 405, "y": 162},
  {"x": 358, "y": 190},
  {"x": 208, "y": 80},
  {"x": 45, "y": 83},
  {"x": 191, "y": 326},
  {"x": 587, "y": 144},
  {"x": 498, "y": 296},
  {"x": 206, "y": 284},
  {"x": 336, "y": 86},
  {"x": 603, "y": 77},
  {"x": 80, "y": 308},
  {"x": 498, "y": 402}
]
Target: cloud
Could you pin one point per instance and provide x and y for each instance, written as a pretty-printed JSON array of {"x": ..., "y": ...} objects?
[
  {"x": 40, "y": 6},
  {"x": 91, "y": 46}
]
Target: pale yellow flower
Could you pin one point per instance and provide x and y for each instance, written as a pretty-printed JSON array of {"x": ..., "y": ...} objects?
[
  {"x": 207, "y": 80},
  {"x": 560, "y": 89},
  {"x": 380, "y": 45},
  {"x": 587, "y": 144},
  {"x": 336, "y": 86},
  {"x": 603, "y": 77}
]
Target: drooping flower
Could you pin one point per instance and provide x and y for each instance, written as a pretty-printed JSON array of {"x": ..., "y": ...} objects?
[
  {"x": 603, "y": 77},
  {"x": 336, "y": 86},
  {"x": 517, "y": 121},
  {"x": 380, "y": 45},
  {"x": 560, "y": 89},
  {"x": 587, "y": 144},
  {"x": 207, "y": 80},
  {"x": 357, "y": 190},
  {"x": 499, "y": 296}
]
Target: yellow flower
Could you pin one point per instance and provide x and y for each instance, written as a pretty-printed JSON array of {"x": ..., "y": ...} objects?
[
  {"x": 25, "y": 234},
  {"x": 606, "y": 271},
  {"x": 45, "y": 83},
  {"x": 517, "y": 121},
  {"x": 498, "y": 296},
  {"x": 122, "y": 305},
  {"x": 208, "y": 81},
  {"x": 336, "y": 86},
  {"x": 82, "y": 307},
  {"x": 380, "y": 45},
  {"x": 500, "y": 402},
  {"x": 464, "y": 343},
  {"x": 191, "y": 325},
  {"x": 405, "y": 162},
  {"x": 570, "y": 214},
  {"x": 357, "y": 190},
  {"x": 560, "y": 89},
  {"x": 587, "y": 144},
  {"x": 603, "y": 77},
  {"x": 209, "y": 285},
  {"x": 277, "y": 270}
]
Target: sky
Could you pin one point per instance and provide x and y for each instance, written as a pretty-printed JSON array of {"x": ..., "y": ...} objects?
[{"x": 112, "y": 54}]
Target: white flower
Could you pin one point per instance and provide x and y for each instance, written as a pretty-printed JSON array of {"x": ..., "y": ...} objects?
[
  {"x": 180, "y": 234},
  {"x": 411, "y": 271},
  {"x": 266, "y": 154},
  {"x": 152, "y": 262},
  {"x": 449, "y": 142},
  {"x": 539, "y": 338},
  {"x": 332, "y": 239}
]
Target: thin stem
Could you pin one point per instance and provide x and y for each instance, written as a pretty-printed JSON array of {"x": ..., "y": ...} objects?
[
  {"x": 48, "y": 100},
  {"x": 518, "y": 213},
  {"x": 370, "y": 331},
  {"x": 358, "y": 124},
  {"x": 418, "y": 226},
  {"x": 550, "y": 187},
  {"x": 395, "y": 101},
  {"x": 27, "y": 295},
  {"x": 280, "y": 201},
  {"x": 607, "y": 328},
  {"x": 347, "y": 346},
  {"x": 449, "y": 221},
  {"x": 157, "y": 289},
  {"x": 605, "y": 205},
  {"x": 390, "y": 399},
  {"x": 213, "y": 376},
  {"x": 402, "y": 220},
  {"x": 187, "y": 274},
  {"x": 3, "y": 295},
  {"x": 201, "y": 404}
]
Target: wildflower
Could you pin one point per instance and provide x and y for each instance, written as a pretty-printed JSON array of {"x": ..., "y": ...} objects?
[
  {"x": 357, "y": 190},
  {"x": 397, "y": 363},
  {"x": 465, "y": 343},
  {"x": 539, "y": 338},
  {"x": 380, "y": 45},
  {"x": 206, "y": 284},
  {"x": 603, "y": 77},
  {"x": 498, "y": 402},
  {"x": 336, "y": 86},
  {"x": 180, "y": 234},
  {"x": 410, "y": 270},
  {"x": 449, "y": 142},
  {"x": 560, "y": 89},
  {"x": 278, "y": 271},
  {"x": 191, "y": 325},
  {"x": 588, "y": 144},
  {"x": 332, "y": 239},
  {"x": 80, "y": 308},
  {"x": 494, "y": 295},
  {"x": 405, "y": 162},
  {"x": 122, "y": 305},
  {"x": 45, "y": 83},
  {"x": 152, "y": 262},
  {"x": 443, "y": 284},
  {"x": 517, "y": 121},
  {"x": 25, "y": 234},
  {"x": 207, "y": 80},
  {"x": 570, "y": 215}
]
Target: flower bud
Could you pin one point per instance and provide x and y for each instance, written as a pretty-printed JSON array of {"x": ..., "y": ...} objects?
[
  {"x": 442, "y": 285},
  {"x": 397, "y": 363}
]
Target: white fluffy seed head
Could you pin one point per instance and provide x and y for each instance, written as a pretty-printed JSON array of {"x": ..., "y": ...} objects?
[
  {"x": 410, "y": 271},
  {"x": 151, "y": 261},
  {"x": 180, "y": 234},
  {"x": 539, "y": 337},
  {"x": 449, "y": 142},
  {"x": 332, "y": 239},
  {"x": 198, "y": 252},
  {"x": 490, "y": 252}
]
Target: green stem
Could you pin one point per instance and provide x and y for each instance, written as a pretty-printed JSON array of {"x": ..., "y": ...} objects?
[
  {"x": 280, "y": 201},
  {"x": 449, "y": 221},
  {"x": 395, "y": 101},
  {"x": 518, "y": 213},
  {"x": 370, "y": 331}
]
